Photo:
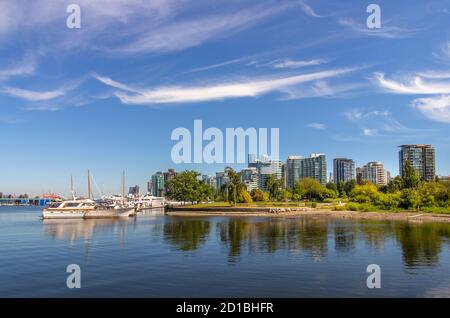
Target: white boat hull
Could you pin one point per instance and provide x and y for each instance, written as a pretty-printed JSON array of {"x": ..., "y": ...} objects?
[
  {"x": 63, "y": 214},
  {"x": 109, "y": 213}
]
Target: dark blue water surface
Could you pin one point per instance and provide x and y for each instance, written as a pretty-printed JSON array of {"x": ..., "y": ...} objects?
[{"x": 164, "y": 256}]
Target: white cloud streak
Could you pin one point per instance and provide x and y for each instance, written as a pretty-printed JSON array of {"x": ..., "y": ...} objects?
[
  {"x": 316, "y": 126},
  {"x": 369, "y": 132},
  {"x": 434, "y": 108},
  {"x": 297, "y": 64},
  {"x": 185, "y": 34},
  {"x": 415, "y": 85},
  {"x": 33, "y": 95},
  {"x": 377, "y": 122},
  {"x": 386, "y": 31},
  {"x": 308, "y": 10},
  {"x": 221, "y": 91},
  {"x": 22, "y": 68}
]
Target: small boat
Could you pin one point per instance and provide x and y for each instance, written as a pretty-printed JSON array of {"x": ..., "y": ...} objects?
[
  {"x": 87, "y": 208},
  {"x": 71, "y": 209}
]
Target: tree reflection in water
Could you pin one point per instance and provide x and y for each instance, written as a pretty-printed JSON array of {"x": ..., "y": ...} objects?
[
  {"x": 186, "y": 234},
  {"x": 308, "y": 235},
  {"x": 421, "y": 243}
]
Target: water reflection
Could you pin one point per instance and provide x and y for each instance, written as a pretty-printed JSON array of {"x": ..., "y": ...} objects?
[
  {"x": 421, "y": 244},
  {"x": 75, "y": 229},
  {"x": 186, "y": 235}
]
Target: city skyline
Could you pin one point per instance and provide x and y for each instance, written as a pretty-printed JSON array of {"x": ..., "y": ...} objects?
[
  {"x": 156, "y": 184},
  {"x": 74, "y": 100}
]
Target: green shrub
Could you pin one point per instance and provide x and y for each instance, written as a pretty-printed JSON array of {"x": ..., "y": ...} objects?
[
  {"x": 352, "y": 206},
  {"x": 366, "y": 207}
]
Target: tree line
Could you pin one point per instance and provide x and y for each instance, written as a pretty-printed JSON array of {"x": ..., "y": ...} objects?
[{"x": 408, "y": 191}]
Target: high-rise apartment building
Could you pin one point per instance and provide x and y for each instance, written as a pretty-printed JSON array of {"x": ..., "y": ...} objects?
[
  {"x": 421, "y": 157},
  {"x": 343, "y": 170},
  {"x": 314, "y": 167},
  {"x": 250, "y": 178},
  {"x": 375, "y": 173},
  {"x": 158, "y": 186}
]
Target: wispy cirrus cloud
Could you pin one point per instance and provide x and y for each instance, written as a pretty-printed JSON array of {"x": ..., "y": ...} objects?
[
  {"x": 437, "y": 107},
  {"x": 321, "y": 88},
  {"x": 377, "y": 122},
  {"x": 287, "y": 63},
  {"x": 442, "y": 54},
  {"x": 308, "y": 10},
  {"x": 386, "y": 31},
  {"x": 133, "y": 26},
  {"x": 317, "y": 126},
  {"x": 369, "y": 132},
  {"x": 25, "y": 67},
  {"x": 220, "y": 91},
  {"x": 183, "y": 34},
  {"x": 414, "y": 85},
  {"x": 434, "y": 108},
  {"x": 32, "y": 95},
  {"x": 217, "y": 65}
]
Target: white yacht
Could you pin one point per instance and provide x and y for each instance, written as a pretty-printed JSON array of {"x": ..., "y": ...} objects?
[
  {"x": 68, "y": 209},
  {"x": 87, "y": 208}
]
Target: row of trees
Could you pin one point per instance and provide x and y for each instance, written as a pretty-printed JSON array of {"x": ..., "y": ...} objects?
[{"x": 407, "y": 191}]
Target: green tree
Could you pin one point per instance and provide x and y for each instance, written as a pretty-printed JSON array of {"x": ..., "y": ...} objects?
[
  {"x": 245, "y": 197},
  {"x": 365, "y": 193},
  {"x": 309, "y": 189},
  {"x": 411, "y": 178},
  {"x": 274, "y": 185},
  {"x": 186, "y": 187},
  {"x": 395, "y": 185},
  {"x": 349, "y": 186},
  {"x": 286, "y": 195},
  {"x": 410, "y": 199},
  {"x": 235, "y": 185},
  {"x": 259, "y": 195},
  {"x": 388, "y": 201},
  {"x": 332, "y": 186}
]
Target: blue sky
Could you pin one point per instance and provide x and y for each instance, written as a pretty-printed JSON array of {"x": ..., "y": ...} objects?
[{"x": 108, "y": 95}]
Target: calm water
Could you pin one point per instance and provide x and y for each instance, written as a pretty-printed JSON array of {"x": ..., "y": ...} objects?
[{"x": 163, "y": 256}]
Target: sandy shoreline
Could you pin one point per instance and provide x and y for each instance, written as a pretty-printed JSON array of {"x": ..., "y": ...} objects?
[{"x": 381, "y": 216}]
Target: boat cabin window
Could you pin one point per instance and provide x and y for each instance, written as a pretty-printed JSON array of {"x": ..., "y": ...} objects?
[
  {"x": 72, "y": 204},
  {"x": 54, "y": 205}
]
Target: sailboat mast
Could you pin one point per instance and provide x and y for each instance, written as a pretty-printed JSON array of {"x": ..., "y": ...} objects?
[
  {"x": 89, "y": 184},
  {"x": 71, "y": 188},
  {"x": 123, "y": 186}
]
